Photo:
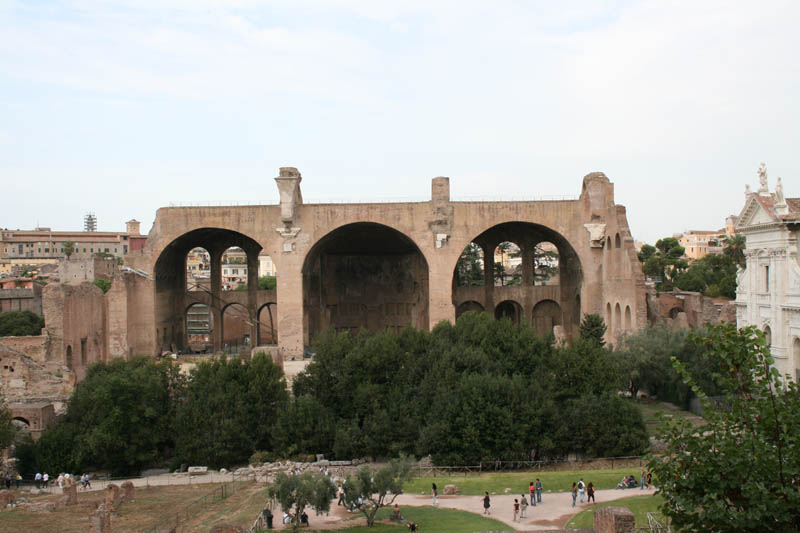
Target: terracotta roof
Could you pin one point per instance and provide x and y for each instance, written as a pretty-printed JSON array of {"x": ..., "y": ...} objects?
[{"x": 794, "y": 206}]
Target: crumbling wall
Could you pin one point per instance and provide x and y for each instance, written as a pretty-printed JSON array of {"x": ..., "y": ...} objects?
[
  {"x": 75, "y": 322},
  {"x": 688, "y": 309}
]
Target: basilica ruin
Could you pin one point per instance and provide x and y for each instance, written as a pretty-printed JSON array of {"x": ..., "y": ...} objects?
[{"x": 378, "y": 266}]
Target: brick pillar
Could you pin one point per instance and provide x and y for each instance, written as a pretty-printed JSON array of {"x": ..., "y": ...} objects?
[
  {"x": 292, "y": 327},
  {"x": 440, "y": 292},
  {"x": 216, "y": 298},
  {"x": 252, "y": 295},
  {"x": 488, "y": 277}
]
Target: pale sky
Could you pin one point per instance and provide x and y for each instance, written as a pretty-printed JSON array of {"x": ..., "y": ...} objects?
[{"x": 122, "y": 107}]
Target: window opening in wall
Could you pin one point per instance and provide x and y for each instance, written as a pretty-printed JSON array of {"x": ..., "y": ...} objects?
[
  {"x": 766, "y": 278},
  {"x": 83, "y": 351},
  {"x": 69, "y": 357}
]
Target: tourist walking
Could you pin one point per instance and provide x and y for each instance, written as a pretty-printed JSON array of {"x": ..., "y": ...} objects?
[
  {"x": 643, "y": 480},
  {"x": 434, "y": 493},
  {"x": 574, "y": 493},
  {"x": 37, "y": 479},
  {"x": 516, "y": 509},
  {"x": 523, "y": 505},
  {"x": 649, "y": 478},
  {"x": 17, "y": 479},
  {"x": 590, "y": 492},
  {"x": 538, "y": 490},
  {"x": 532, "y": 493},
  {"x": 45, "y": 479},
  {"x": 486, "y": 503},
  {"x": 581, "y": 489}
]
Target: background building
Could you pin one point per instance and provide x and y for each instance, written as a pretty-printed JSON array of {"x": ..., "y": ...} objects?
[
  {"x": 26, "y": 249},
  {"x": 768, "y": 292}
]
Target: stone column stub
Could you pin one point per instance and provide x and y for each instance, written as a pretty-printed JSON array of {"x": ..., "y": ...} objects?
[
  {"x": 441, "y": 221},
  {"x": 288, "y": 182}
]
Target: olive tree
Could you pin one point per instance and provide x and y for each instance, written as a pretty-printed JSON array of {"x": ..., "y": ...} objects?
[
  {"x": 368, "y": 491},
  {"x": 295, "y": 493}
]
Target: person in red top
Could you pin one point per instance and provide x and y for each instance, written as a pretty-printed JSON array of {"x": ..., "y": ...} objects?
[{"x": 516, "y": 509}]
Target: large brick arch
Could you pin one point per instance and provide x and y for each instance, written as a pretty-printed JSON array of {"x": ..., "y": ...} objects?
[
  {"x": 364, "y": 275},
  {"x": 582, "y": 228}
]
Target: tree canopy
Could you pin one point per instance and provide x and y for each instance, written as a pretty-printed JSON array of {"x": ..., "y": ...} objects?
[
  {"x": 664, "y": 261},
  {"x": 20, "y": 324},
  {"x": 739, "y": 472},
  {"x": 368, "y": 491},
  {"x": 295, "y": 493}
]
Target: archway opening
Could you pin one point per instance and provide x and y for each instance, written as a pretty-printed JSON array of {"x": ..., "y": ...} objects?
[
  {"x": 507, "y": 264},
  {"x": 234, "y": 269},
  {"x": 628, "y": 318},
  {"x": 198, "y": 270},
  {"x": 21, "y": 424},
  {"x": 546, "y": 314},
  {"x": 364, "y": 275},
  {"x": 545, "y": 263},
  {"x": 268, "y": 324},
  {"x": 470, "y": 267},
  {"x": 617, "y": 318},
  {"x": 235, "y": 328},
  {"x": 617, "y": 241},
  {"x": 173, "y": 276},
  {"x": 529, "y": 263},
  {"x": 469, "y": 306},
  {"x": 68, "y": 357},
  {"x": 199, "y": 326},
  {"x": 509, "y": 309}
]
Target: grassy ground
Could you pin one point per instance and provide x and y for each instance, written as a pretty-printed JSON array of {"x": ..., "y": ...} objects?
[
  {"x": 150, "y": 506},
  {"x": 653, "y": 411},
  {"x": 432, "y": 520},
  {"x": 639, "y": 506},
  {"x": 474, "y": 485}
]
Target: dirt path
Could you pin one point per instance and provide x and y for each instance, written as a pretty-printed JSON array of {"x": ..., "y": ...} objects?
[{"x": 554, "y": 511}]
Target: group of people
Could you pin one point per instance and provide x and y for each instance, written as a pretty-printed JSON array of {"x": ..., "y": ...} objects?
[
  {"x": 42, "y": 481},
  {"x": 8, "y": 477},
  {"x": 583, "y": 491}
]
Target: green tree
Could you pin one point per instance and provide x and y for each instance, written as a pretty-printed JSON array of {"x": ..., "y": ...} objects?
[
  {"x": 593, "y": 328},
  {"x": 646, "y": 358},
  {"x": 714, "y": 274},
  {"x": 664, "y": 261},
  {"x": 69, "y": 248},
  {"x": 20, "y": 324},
  {"x": 545, "y": 264},
  {"x": 368, "y": 491},
  {"x": 734, "y": 248},
  {"x": 265, "y": 283},
  {"x": 7, "y": 429},
  {"x": 102, "y": 284},
  {"x": 227, "y": 409},
  {"x": 469, "y": 268},
  {"x": 295, "y": 493},
  {"x": 117, "y": 419},
  {"x": 742, "y": 470}
]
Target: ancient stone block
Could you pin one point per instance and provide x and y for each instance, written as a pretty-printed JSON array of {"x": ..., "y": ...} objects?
[
  {"x": 100, "y": 520},
  {"x": 70, "y": 492},
  {"x": 128, "y": 491},
  {"x": 614, "y": 520},
  {"x": 450, "y": 490},
  {"x": 113, "y": 498},
  {"x": 198, "y": 470},
  {"x": 5, "y": 498}
]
